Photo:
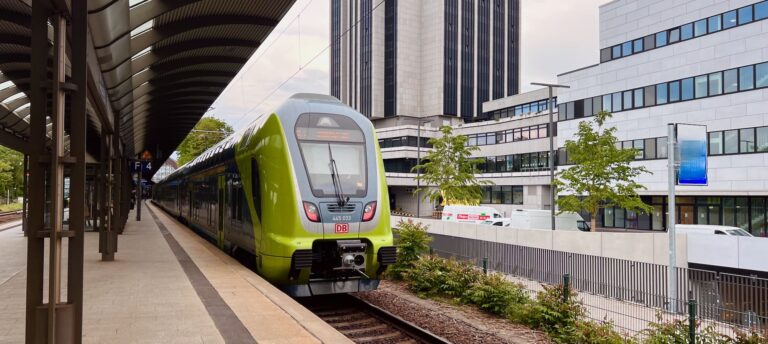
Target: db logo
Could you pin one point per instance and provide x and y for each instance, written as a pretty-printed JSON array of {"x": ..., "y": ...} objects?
[{"x": 341, "y": 228}]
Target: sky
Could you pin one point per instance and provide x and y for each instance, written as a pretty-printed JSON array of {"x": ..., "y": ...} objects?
[{"x": 557, "y": 36}]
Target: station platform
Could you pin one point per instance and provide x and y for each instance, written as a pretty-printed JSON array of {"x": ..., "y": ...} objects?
[{"x": 166, "y": 285}]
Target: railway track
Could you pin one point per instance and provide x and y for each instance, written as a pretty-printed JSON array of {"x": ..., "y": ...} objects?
[
  {"x": 362, "y": 322},
  {"x": 6, "y": 216}
]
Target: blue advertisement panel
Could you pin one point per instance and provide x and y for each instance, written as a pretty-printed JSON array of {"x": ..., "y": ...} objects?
[{"x": 692, "y": 147}]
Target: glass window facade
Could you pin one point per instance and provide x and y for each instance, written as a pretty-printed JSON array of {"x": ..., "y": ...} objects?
[
  {"x": 698, "y": 28},
  {"x": 748, "y": 213},
  {"x": 709, "y": 85},
  {"x": 503, "y": 194}
]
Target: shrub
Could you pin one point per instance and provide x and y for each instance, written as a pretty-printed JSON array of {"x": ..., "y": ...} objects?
[
  {"x": 426, "y": 276},
  {"x": 495, "y": 294},
  {"x": 550, "y": 313},
  {"x": 597, "y": 333},
  {"x": 459, "y": 276},
  {"x": 411, "y": 242},
  {"x": 751, "y": 337},
  {"x": 677, "y": 331}
]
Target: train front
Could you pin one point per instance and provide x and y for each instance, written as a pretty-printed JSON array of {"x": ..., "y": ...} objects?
[{"x": 342, "y": 201}]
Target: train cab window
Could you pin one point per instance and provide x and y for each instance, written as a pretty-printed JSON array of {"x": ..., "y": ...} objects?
[{"x": 333, "y": 145}]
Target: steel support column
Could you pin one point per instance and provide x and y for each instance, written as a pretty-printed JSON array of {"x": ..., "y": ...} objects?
[
  {"x": 36, "y": 329},
  {"x": 52, "y": 320},
  {"x": 25, "y": 197},
  {"x": 77, "y": 177},
  {"x": 107, "y": 237},
  {"x": 117, "y": 181}
]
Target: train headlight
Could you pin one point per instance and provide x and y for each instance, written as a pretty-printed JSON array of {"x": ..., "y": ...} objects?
[
  {"x": 312, "y": 213},
  {"x": 369, "y": 211}
]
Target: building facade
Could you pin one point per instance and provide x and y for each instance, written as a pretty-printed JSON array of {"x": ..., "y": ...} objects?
[
  {"x": 514, "y": 145},
  {"x": 423, "y": 58},
  {"x": 697, "y": 62}
]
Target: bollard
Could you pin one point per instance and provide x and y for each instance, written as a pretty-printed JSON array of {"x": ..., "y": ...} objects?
[
  {"x": 566, "y": 287},
  {"x": 485, "y": 265},
  {"x": 692, "y": 321}
]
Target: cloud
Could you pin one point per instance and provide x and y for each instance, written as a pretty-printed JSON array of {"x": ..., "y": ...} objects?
[{"x": 556, "y": 36}]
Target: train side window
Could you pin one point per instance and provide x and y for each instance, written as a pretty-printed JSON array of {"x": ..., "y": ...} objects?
[{"x": 255, "y": 187}]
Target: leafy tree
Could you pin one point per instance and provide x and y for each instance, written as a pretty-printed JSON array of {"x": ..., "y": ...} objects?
[
  {"x": 601, "y": 176},
  {"x": 206, "y": 133},
  {"x": 450, "y": 167},
  {"x": 11, "y": 172}
]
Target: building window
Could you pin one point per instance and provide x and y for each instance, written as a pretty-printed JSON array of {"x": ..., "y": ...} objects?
[
  {"x": 731, "y": 142},
  {"x": 661, "y": 39},
  {"x": 627, "y": 100},
  {"x": 714, "y": 23},
  {"x": 637, "y": 45},
  {"x": 638, "y": 95},
  {"x": 715, "y": 83},
  {"x": 686, "y": 31},
  {"x": 616, "y": 52},
  {"x": 729, "y": 19},
  {"x": 716, "y": 143},
  {"x": 731, "y": 80},
  {"x": 700, "y": 28},
  {"x": 661, "y": 93},
  {"x": 686, "y": 89},
  {"x": 390, "y": 58},
  {"x": 674, "y": 91},
  {"x": 661, "y": 148},
  {"x": 616, "y": 102},
  {"x": 762, "y": 139},
  {"x": 450, "y": 66},
  {"x": 745, "y": 15},
  {"x": 761, "y": 10},
  {"x": 761, "y": 74},
  {"x": 746, "y": 78},
  {"x": 701, "y": 86},
  {"x": 674, "y": 35},
  {"x": 747, "y": 140},
  {"x": 626, "y": 49}
]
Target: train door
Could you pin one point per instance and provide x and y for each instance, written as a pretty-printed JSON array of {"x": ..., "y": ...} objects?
[{"x": 222, "y": 184}]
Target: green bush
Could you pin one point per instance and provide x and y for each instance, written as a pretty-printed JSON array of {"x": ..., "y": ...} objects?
[
  {"x": 595, "y": 333},
  {"x": 459, "y": 276},
  {"x": 495, "y": 294},
  {"x": 677, "y": 332},
  {"x": 412, "y": 241},
  {"x": 751, "y": 337},
  {"x": 551, "y": 314},
  {"x": 427, "y": 276}
]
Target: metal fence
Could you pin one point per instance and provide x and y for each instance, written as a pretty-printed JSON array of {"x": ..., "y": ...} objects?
[{"x": 629, "y": 294}]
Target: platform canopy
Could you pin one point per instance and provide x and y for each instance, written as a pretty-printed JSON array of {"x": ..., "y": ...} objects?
[{"x": 156, "y": 65}]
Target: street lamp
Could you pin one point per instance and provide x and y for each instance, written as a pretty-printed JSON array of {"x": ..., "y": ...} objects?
[
  {"x": 550, "y": 132},
  {"x": 418, "y": 171}
]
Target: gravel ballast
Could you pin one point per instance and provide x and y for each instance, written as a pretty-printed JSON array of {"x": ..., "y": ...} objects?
[{"x": 456, "y": 323}]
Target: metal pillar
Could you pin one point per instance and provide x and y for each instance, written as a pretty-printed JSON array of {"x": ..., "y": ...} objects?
[
  {"x": 36, "y": 328},
  {"x": 671, "y": 211},
  {"x": 25, "y": 196},
  {"x": 77, "y": 139},
  {"x": 116, "y": 181},
  {"x": 51, "y": 321},
  {"x": 107, "y": 236},
  {"x": 550, "y": 133},
  {"x": 138, "y": 191},
  {"x": 418, "y": 174}
]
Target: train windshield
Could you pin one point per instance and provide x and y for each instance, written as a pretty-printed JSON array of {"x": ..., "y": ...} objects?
[{"x": 325, "y": 139}]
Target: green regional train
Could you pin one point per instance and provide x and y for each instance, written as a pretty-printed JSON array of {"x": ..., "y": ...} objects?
[{"x": 301, "y": 189}]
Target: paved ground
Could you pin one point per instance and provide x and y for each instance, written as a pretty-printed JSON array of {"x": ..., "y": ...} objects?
[{"x": 150, "y": 294}]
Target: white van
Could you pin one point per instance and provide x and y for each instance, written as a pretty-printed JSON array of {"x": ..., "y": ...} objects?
[
  {"x": 469, "y": 213},
  {"x": 711, "y": 229},
  {"x": 542, "y": 219}
]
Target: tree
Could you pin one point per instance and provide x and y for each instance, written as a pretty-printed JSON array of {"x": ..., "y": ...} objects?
[
  {"x": 11, "y": 172},
  {"x": 450, "y": 167},
  {"x": 602, "y": 175},
  {"x": 206, "y": 133}
]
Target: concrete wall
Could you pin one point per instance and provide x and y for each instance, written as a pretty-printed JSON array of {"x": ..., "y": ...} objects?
[
  {"x": 641, "y": 247},
  {"x": 739, "y": 252}
]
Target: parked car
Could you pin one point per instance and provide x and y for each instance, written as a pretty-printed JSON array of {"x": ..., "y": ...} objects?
[{"x": 711, "y": 229}]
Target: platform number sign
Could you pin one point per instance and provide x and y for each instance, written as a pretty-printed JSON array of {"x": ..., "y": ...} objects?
[{"x": 341, "y": 228}]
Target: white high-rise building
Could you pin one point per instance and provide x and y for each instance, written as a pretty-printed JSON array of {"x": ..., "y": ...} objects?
[
  {"x": 697, "y": 62},
  {"x": 424, "y": 58}
]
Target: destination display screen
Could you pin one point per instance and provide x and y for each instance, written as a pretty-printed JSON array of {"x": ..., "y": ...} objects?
[{"x": 328, "y": 128}]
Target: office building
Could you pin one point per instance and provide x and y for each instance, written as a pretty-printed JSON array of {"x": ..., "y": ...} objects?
[
  {"x": 424, "y": 58},
  {"x": 696, "y": 62}
]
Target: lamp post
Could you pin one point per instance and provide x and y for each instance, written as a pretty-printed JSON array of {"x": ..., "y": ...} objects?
[
  {"x": 550, "y": 132},
  {"x": 418, "y": 171}
]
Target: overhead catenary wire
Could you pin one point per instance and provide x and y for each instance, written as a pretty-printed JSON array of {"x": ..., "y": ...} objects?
[{"x": 301, "y": 67}]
